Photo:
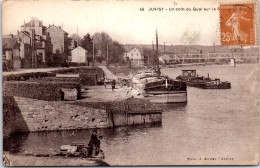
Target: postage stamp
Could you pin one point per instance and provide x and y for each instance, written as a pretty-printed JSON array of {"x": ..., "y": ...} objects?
[{"x": 237, "y": 24}]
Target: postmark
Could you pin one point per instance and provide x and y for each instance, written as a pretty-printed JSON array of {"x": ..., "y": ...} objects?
[{"x": 237, "y": 24}]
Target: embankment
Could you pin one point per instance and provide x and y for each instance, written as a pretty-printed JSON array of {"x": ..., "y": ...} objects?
[
  {"x": 36, "y": 105},
  {"x": 29, "y": 115}
]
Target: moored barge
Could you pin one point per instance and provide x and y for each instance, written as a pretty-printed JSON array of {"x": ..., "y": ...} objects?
[
  {"x": 160, "y": 89},
  {"x": 194, "y": 80}
]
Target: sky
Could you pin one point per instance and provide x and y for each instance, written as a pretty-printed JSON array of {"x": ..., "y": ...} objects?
[{"x": 122, "y": 20}]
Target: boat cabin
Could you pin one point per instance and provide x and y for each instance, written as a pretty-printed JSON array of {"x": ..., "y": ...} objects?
[{"x": 189, "y": 73}]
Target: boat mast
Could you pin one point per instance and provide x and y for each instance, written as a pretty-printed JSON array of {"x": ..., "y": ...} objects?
[{"x": 156, "y": 56}]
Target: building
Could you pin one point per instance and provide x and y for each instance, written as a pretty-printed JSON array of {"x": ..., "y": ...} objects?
[
  {"x": 136, "y": 58},
  {"x": 60, "y": 43},
  {"x": 11, "y": 53},
  {"x": 24, "y": 40},
  {"x": 35, "y": 35},
  {"x": 79, "y": 55},
  {"x": 36, "y": 25}
]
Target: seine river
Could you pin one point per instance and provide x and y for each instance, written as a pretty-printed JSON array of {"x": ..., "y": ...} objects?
[{"x": 216, "y": 126}]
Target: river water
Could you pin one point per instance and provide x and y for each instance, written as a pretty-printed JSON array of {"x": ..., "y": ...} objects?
[{"x": 220, "y": 125}]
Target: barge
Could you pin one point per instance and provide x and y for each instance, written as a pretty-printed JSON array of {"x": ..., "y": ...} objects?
[
  {"x": 159, "y": 89},
  {"x": 194, "y": 80}
]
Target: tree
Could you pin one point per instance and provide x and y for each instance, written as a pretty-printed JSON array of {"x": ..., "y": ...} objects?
[
  {"x": 115, "y": 50},
  {"x": 67, "y": 44},
  {"x": 87, "y": 43},
  {"x": 101, "y": 40},
  {"x": 148, "y": 56},
  {"x": 76, "y": 37}
]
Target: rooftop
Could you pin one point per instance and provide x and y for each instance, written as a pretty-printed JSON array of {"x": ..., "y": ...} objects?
[{"x": 8, "y": 43}]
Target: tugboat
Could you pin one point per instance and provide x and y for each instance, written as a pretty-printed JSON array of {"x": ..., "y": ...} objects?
[
  {"x": 194, "y": 80},
  {"x": 157, "y": 88}
]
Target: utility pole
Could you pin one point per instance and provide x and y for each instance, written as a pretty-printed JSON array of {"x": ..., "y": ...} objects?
[
  {"x": 214, "y": 47},
  {"x": 152, "y": 61},
  {"x": 107, "y": 55},
  {"x": 153, "y": 47},
  {"x": 78, "y": 44},
  {"x": 93, "y": 54},
  {"x": 156, "y": 43},
  {"x": 77, "y": 37},
  {"x": 164, "y": 46}
]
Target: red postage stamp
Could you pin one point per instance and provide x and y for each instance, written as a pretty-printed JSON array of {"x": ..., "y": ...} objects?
[{"x": 237, "y": 24}]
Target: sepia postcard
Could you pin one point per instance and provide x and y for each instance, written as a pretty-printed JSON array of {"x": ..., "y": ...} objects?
[{"x": 130, "y": 83}]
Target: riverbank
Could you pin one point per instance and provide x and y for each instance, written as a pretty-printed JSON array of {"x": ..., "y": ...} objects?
[{"x": 34, "y": 111}]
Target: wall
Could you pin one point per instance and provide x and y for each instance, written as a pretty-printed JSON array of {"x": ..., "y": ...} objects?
[
  {"x": 57, "y": 39},
  {"x": 29, "y": 115},
  {"x": 16, "y": 63},
  {"x": 34, "y": 89},
  {"x": 8, "y": 55},
  {"x": 79, "y": 55},
  {"x": 136, "y": 119},
  {"x": 123, "y": 118},
  {"x": 40, "y": 115}
]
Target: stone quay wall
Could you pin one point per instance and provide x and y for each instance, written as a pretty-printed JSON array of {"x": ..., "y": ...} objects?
[
  {"x": 30, "y": 115},
  {"x": 42, "y": 90}
]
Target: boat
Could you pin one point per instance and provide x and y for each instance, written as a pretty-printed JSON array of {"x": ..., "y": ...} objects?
[
  {"x": 194, "y": 80},
  {"x": 75, "y": 150},
  {"x": 159, "y": 89}
]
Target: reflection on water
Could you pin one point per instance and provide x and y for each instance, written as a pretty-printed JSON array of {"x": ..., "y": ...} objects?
[{"x": 214, "y": 123}]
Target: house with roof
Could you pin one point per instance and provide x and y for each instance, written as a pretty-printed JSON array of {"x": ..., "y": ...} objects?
[
  {"x": 135, "y": 56},
  {"x": 79, "y": 55},
  {"x": 60, "y": 43},
  {"x": 58, "y": 38},
  {"x": 24, "y": 40},
  {"x": 35, "y": 43},
  {"x": 11, "y": 53}
]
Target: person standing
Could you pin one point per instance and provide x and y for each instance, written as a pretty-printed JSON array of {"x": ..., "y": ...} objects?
[
  {"x": 98, "y": 150},
  {"x": 93, "y": 143},
  {"x": 105, "y": 82},
  {"x": 113, "y": 85}
]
